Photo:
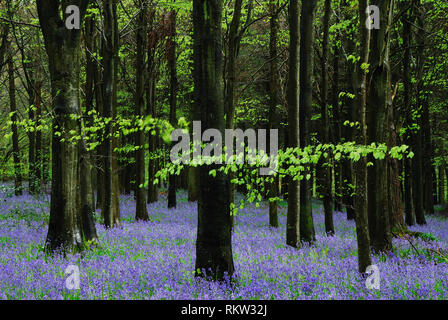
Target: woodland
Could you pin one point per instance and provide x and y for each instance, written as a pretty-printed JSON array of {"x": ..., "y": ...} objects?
[{"x": 94, "y": 92}]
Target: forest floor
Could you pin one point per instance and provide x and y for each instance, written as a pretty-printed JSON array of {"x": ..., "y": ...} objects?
[{"x": 155, "y": 260}]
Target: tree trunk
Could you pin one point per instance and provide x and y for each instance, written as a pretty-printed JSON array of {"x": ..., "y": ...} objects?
[
  {"x": 99, "y": 105},
  {"x": 441, "y": 185},
  {"x": 229, "y": 83},
  {"x": 293, "y": 229},
  {"x": 193, "y": 184},
  {"x": 110, "y": 208},
  {"x": 39, "y": 154},
  {"x": 379, "y": 101},
  {"x": 417, "y": 137},
  {"x": 171, "y": 48},
  {"x": 428, "y": 168},
  {"x": 273, "y": 103},
  {"x": 325, "y": 172},
  {"x": 307, "y": 232},
  {"x": 140, "y": 191},
  {"x": 15, "y": 135},
  {"x": 214, "y": 236},
  {"x": 348, "y": 135},
  {"x": 89, "y": 93},
  {"x": 153, "y": 192},
  {"x": 408, "y": 204},
  {"x": 337, "y": 125},
  {"x": 360, "y": 166},
  {"x": 67, "y": 227}
]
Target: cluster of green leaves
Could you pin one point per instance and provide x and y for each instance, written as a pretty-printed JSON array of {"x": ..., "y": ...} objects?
[{"x": 291, "y": 162}]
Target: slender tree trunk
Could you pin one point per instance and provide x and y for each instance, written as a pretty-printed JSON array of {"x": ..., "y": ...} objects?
[
  {"x": 15, "y": 135},
  {"x": 38, "y": 155},
  {"x": 171, "y": 48},
  {"x": 273, "y": 103},
  {"x": 229, "y": 84},
  {"x": 4, "y": 31},
  {"x": 214, "y": 236},
  {"x": 394, "y": 189},
  {"x": 293, "y": 229},
  {"x": 379, "y": 101},
  {"x": 89, "y": 94},
  {"x": 417, "y": 137},
  {"x": 140, "y": 191},
  {"x": 428, "y": 168},
  {"x": 306, "y": 89},
  {"x": 153, "y": 192},
  {"x": 337, "y": 125},
  {"x": 408, "y": 204},
  {"x": 360, "y": 166},
  {"x": 87, "y": 200},
  {"x": 99, "y": 107},
  {"x": 441, "y": 185},
  {"x": 32, "y": 181},
  {"x": 325, "y": 172},
  {"x": 348, "y": 113},
  {"x": 110, "y": 208}
]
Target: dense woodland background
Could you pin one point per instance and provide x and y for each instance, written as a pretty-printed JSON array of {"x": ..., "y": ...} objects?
[{"x": 362, "y": 114}]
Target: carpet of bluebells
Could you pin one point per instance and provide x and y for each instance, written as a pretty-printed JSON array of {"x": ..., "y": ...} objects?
[{"x": 155, "y": 260}]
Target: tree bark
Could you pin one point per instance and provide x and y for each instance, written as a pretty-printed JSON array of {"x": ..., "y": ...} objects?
[
  {"x": 153, "y": 192},
  {"x": 325, "y": 172},
  {"x": 273, "y": 103},
  {"x": 110, "y": 206},
  {"x": 171, "y": 48},
  {"x": 417, "y": 137},
  {"x": 307, "y": 232},
  {"x": 15, "y": 134},
  {"x": 293, "y": 229},
  {"x": 67, "y": 228},
  {"x": 140, "y": 191},
  {"x": 337, "y": 126},
  {"x": 408, "y": 204},
  {"x": 360, "y": 166},
  {"x": 379, "y": 101},
  {"x": 214, "y": 237},
  {"x": 229, "y": 83},
  {"x": 441, "y": 185}
]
